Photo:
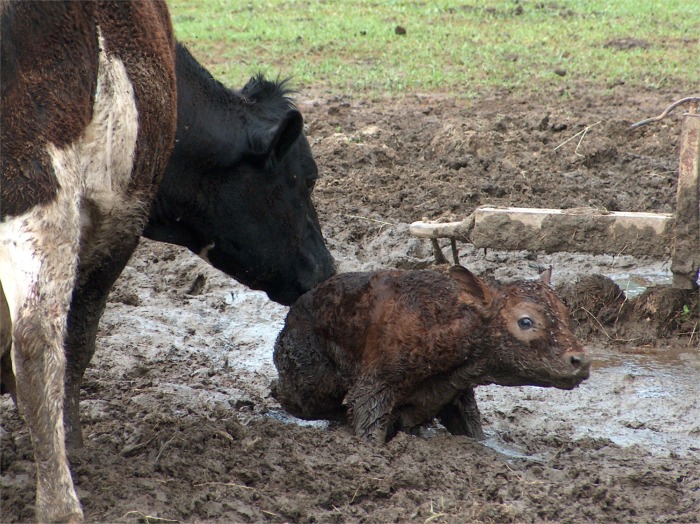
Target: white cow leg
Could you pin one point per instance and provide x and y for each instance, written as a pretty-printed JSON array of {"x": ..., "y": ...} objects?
[{"x": 37, "y": 283}]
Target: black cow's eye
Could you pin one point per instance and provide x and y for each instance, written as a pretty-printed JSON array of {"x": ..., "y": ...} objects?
[
  {"x": 525, "y": 323},
  {"x": 310, "y": 183}
]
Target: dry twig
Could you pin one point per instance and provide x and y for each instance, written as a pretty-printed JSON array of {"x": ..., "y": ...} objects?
[
  {"x": 583, "y": 133},
  {"x": 165, "y": 446},
  {"x": 371, "y": 220},
  {"x": 149, "y": 518},
  {"x": 433, "y": 514},
  {"x": 227, "y": 484},
  {"x": 600, "y": 326}
]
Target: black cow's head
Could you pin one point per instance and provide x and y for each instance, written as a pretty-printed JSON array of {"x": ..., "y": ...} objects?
[{"x": 237, "y": 189}]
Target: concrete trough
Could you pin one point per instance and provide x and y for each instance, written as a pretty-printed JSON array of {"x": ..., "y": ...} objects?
[
  {"x": 597, "y": 231},
  {"x": 585, "y": 230}
]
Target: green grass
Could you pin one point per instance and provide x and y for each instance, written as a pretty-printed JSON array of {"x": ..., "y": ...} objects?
[{"x": 459, "y": 47}]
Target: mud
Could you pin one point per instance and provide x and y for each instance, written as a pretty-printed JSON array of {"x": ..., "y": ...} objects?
[{"x": 178, "y": 421}]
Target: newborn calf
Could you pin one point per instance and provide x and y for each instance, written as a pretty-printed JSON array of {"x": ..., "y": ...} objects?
[{"x": 391, "y": 350}]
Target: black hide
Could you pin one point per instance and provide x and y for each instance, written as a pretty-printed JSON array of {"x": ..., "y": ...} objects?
[{"x": 237, "y": 188}]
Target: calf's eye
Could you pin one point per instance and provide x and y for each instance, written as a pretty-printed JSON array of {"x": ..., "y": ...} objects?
[{"x": 525, "y": 323}]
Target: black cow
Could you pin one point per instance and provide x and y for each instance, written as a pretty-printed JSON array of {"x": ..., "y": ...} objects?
[{"x": 237, "y": 189}]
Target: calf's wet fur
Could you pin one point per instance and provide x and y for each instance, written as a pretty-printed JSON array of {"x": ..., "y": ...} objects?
[{"x": 392, "y": 350}]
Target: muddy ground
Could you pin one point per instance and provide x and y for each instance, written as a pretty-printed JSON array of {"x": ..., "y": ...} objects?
[{"x": 178, "y": 420}]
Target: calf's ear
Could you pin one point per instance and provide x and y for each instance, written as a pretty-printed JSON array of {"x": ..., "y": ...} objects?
[
  {"x": 546, "y": 276},
  {"x": 286, "y": 133},
  {"x": 473, "y": 286}
]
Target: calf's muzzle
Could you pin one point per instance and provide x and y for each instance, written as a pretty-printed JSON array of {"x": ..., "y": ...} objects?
[{"x": 580, "y": 363}]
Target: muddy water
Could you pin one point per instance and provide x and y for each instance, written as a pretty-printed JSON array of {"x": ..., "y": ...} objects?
[
  {"x": 631, "y": 399},
  {"x": 634, "y": 283},
  {"x": 252, "y": 330},
  {"x": 650, "y": 401},
  {"x": 643, "y": 387}
]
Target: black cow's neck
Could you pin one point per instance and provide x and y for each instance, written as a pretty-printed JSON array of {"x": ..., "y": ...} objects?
[
  {"x": 205, "y": 111},
  {"x": 210, "y": 136},
  {"x": 216, "y": 129}
]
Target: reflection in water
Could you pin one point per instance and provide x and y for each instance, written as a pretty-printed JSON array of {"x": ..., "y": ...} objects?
[{"x": 636, "y": 283}]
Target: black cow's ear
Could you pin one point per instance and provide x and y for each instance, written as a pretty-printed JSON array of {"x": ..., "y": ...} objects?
[{"x": 286, "y": 133}]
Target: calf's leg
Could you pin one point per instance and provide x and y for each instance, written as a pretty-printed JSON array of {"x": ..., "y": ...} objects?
[
  {"x": 462, "y": 417},
  {"x": 370, "y": 404}
]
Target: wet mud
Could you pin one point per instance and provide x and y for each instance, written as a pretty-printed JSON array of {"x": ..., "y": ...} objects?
[{"x": 178, "y": 419}]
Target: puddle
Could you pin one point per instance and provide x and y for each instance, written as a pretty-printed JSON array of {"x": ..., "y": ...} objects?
[
  {"x": 656, "y": 396},
  {"x": 637, "y": 282},
  {"x": 649, "y": 401},
  {"x": 494, "y": 442},
  {"x": 286, "y": 418},
  {"x": 630, "y": 400},
  {"x": 252, "y": 330}
]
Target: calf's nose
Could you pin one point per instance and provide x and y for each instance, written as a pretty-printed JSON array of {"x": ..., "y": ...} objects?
[{"x": 581, "y": 363}]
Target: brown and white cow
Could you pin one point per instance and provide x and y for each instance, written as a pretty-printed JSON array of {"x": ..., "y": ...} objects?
[
  {"x": 88, "y": 119},
  {"x": 87, "y": 125}
]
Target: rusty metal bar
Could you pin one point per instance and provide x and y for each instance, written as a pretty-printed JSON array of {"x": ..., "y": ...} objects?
[
  {"x": 437, "y": 252},
  {"x": 692, "y": 100},
  {"x": 455, "y": 252}
]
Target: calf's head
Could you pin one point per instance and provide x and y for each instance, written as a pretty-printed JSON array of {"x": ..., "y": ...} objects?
[{"x": 527, "y": 338}]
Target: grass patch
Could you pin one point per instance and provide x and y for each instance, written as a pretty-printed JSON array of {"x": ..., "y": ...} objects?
[{"x": 459, "y": 47}]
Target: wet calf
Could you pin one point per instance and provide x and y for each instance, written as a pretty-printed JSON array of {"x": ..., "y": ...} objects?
[{"x": 391, "y": 350}]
